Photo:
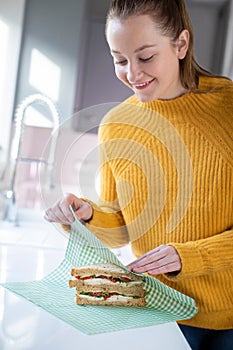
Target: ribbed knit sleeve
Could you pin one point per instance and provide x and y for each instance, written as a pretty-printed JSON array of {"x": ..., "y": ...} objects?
[
  {"x": 107, "y": 222},
  {"x": 205, "y": 256}
]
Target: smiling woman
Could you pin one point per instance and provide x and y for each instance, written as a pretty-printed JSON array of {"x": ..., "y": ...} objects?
[
  {"x": 150, "y": 69},
  {"x": 166, "y": 164}
]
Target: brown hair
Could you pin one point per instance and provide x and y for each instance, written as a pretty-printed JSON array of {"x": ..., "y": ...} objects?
[{"x": 171, "y": 18}]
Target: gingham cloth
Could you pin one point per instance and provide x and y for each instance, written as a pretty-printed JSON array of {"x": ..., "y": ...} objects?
[{"x": 53, "y": 294}]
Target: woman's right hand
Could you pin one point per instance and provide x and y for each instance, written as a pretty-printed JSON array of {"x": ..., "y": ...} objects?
[{"x": 61, "y": 213}]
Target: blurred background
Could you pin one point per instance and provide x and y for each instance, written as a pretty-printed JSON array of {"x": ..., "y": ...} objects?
[{"x": 57, "y": 49}]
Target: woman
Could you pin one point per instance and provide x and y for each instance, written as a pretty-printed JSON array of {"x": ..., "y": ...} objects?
[{"x": 166, "y": 165}]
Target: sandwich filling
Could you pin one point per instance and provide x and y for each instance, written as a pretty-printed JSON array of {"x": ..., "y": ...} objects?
[
  {"x": 106, "y": 295},
  {"x": 109, "y": 278}
]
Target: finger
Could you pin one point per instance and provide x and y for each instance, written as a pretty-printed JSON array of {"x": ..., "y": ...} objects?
[
  {"x": 55, "y": 214},
  {"x": 166, "y": 255},
  {"x": 139, "y": 261},
  {"x": 52, "y": 217},
  {"x": 149, "y": 264},
  {"x": 82, "y": 209},
  {"x": 162, "y": 252},
  {"x": 49, "y": 215},
  {"x": 84, "y": 212},
  {"x": 151, "y": 256},
  {"x": 168, "y": 268},
  {"x": 156, "y": 264},
  {"x": 65, "y": 212}
]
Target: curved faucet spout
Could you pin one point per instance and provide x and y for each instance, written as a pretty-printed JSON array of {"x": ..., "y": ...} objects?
[
  {"x": 19, "y": 119},
  {"x": 15, "y": 147}
]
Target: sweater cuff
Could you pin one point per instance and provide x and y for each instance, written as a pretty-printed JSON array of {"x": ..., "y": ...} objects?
[
  {"x": 104, "y": 219},
  {"x": 66, "y": 227},
  {"x": 191, "y": 260}
]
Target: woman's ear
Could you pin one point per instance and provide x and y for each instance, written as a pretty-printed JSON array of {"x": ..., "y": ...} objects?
[{"x": 183, "y": 44}]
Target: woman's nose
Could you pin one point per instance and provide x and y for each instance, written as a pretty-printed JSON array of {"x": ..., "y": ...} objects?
[{"x": 134, "y": 73}]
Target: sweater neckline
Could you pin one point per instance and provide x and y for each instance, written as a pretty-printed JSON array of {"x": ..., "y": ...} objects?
[{"x": 207, "y": 84}]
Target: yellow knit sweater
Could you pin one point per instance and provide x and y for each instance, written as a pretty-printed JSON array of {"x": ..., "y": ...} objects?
[{"x": 167, "y": 178}]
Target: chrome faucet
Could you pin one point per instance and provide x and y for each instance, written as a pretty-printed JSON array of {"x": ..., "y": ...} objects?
[{"x": 8, "y": 193}]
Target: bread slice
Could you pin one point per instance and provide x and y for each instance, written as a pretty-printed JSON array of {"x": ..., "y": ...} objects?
[
  {"x": 108, "y": 269},
  {"x": 112, "y": 301}
]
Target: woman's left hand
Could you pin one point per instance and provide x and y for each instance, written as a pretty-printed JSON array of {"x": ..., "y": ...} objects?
[{"x": 163, "y": 259}]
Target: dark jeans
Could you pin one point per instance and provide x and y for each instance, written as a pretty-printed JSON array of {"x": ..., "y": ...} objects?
[{"x": 208, "y": 339}]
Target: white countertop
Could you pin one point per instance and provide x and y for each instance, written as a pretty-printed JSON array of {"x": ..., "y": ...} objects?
[{"x": 30, "y": 252}]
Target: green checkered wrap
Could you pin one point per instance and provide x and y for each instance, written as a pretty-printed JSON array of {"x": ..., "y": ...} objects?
[
  {"x": 53, "y": 294},
  {"x": 86, "y": 249}
]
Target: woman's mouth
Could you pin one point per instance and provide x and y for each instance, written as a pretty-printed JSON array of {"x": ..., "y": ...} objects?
[{"x": 141, "y": 86}]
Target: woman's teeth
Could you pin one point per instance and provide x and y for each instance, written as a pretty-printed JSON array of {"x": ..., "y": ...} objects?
[{"x": 143, "y": 84}]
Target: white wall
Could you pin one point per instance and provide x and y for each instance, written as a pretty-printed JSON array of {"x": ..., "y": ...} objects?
[
  {"x": 53, "y": 28},
  {"x": 213, "y": 24},
  {"x": 228, "y": 57},
  {"x": 11, "y": 22}
]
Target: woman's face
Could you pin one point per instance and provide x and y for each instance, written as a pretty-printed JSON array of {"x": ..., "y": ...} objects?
[{"x": 144, "y": 59}]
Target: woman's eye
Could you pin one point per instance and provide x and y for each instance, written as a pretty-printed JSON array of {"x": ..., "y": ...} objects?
[
  {"x": 121, "y": 63},
  {"x": 146, "y": 59}
]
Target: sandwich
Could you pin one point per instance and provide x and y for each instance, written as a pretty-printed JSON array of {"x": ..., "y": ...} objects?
[{"x": 107, "y": 284}]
